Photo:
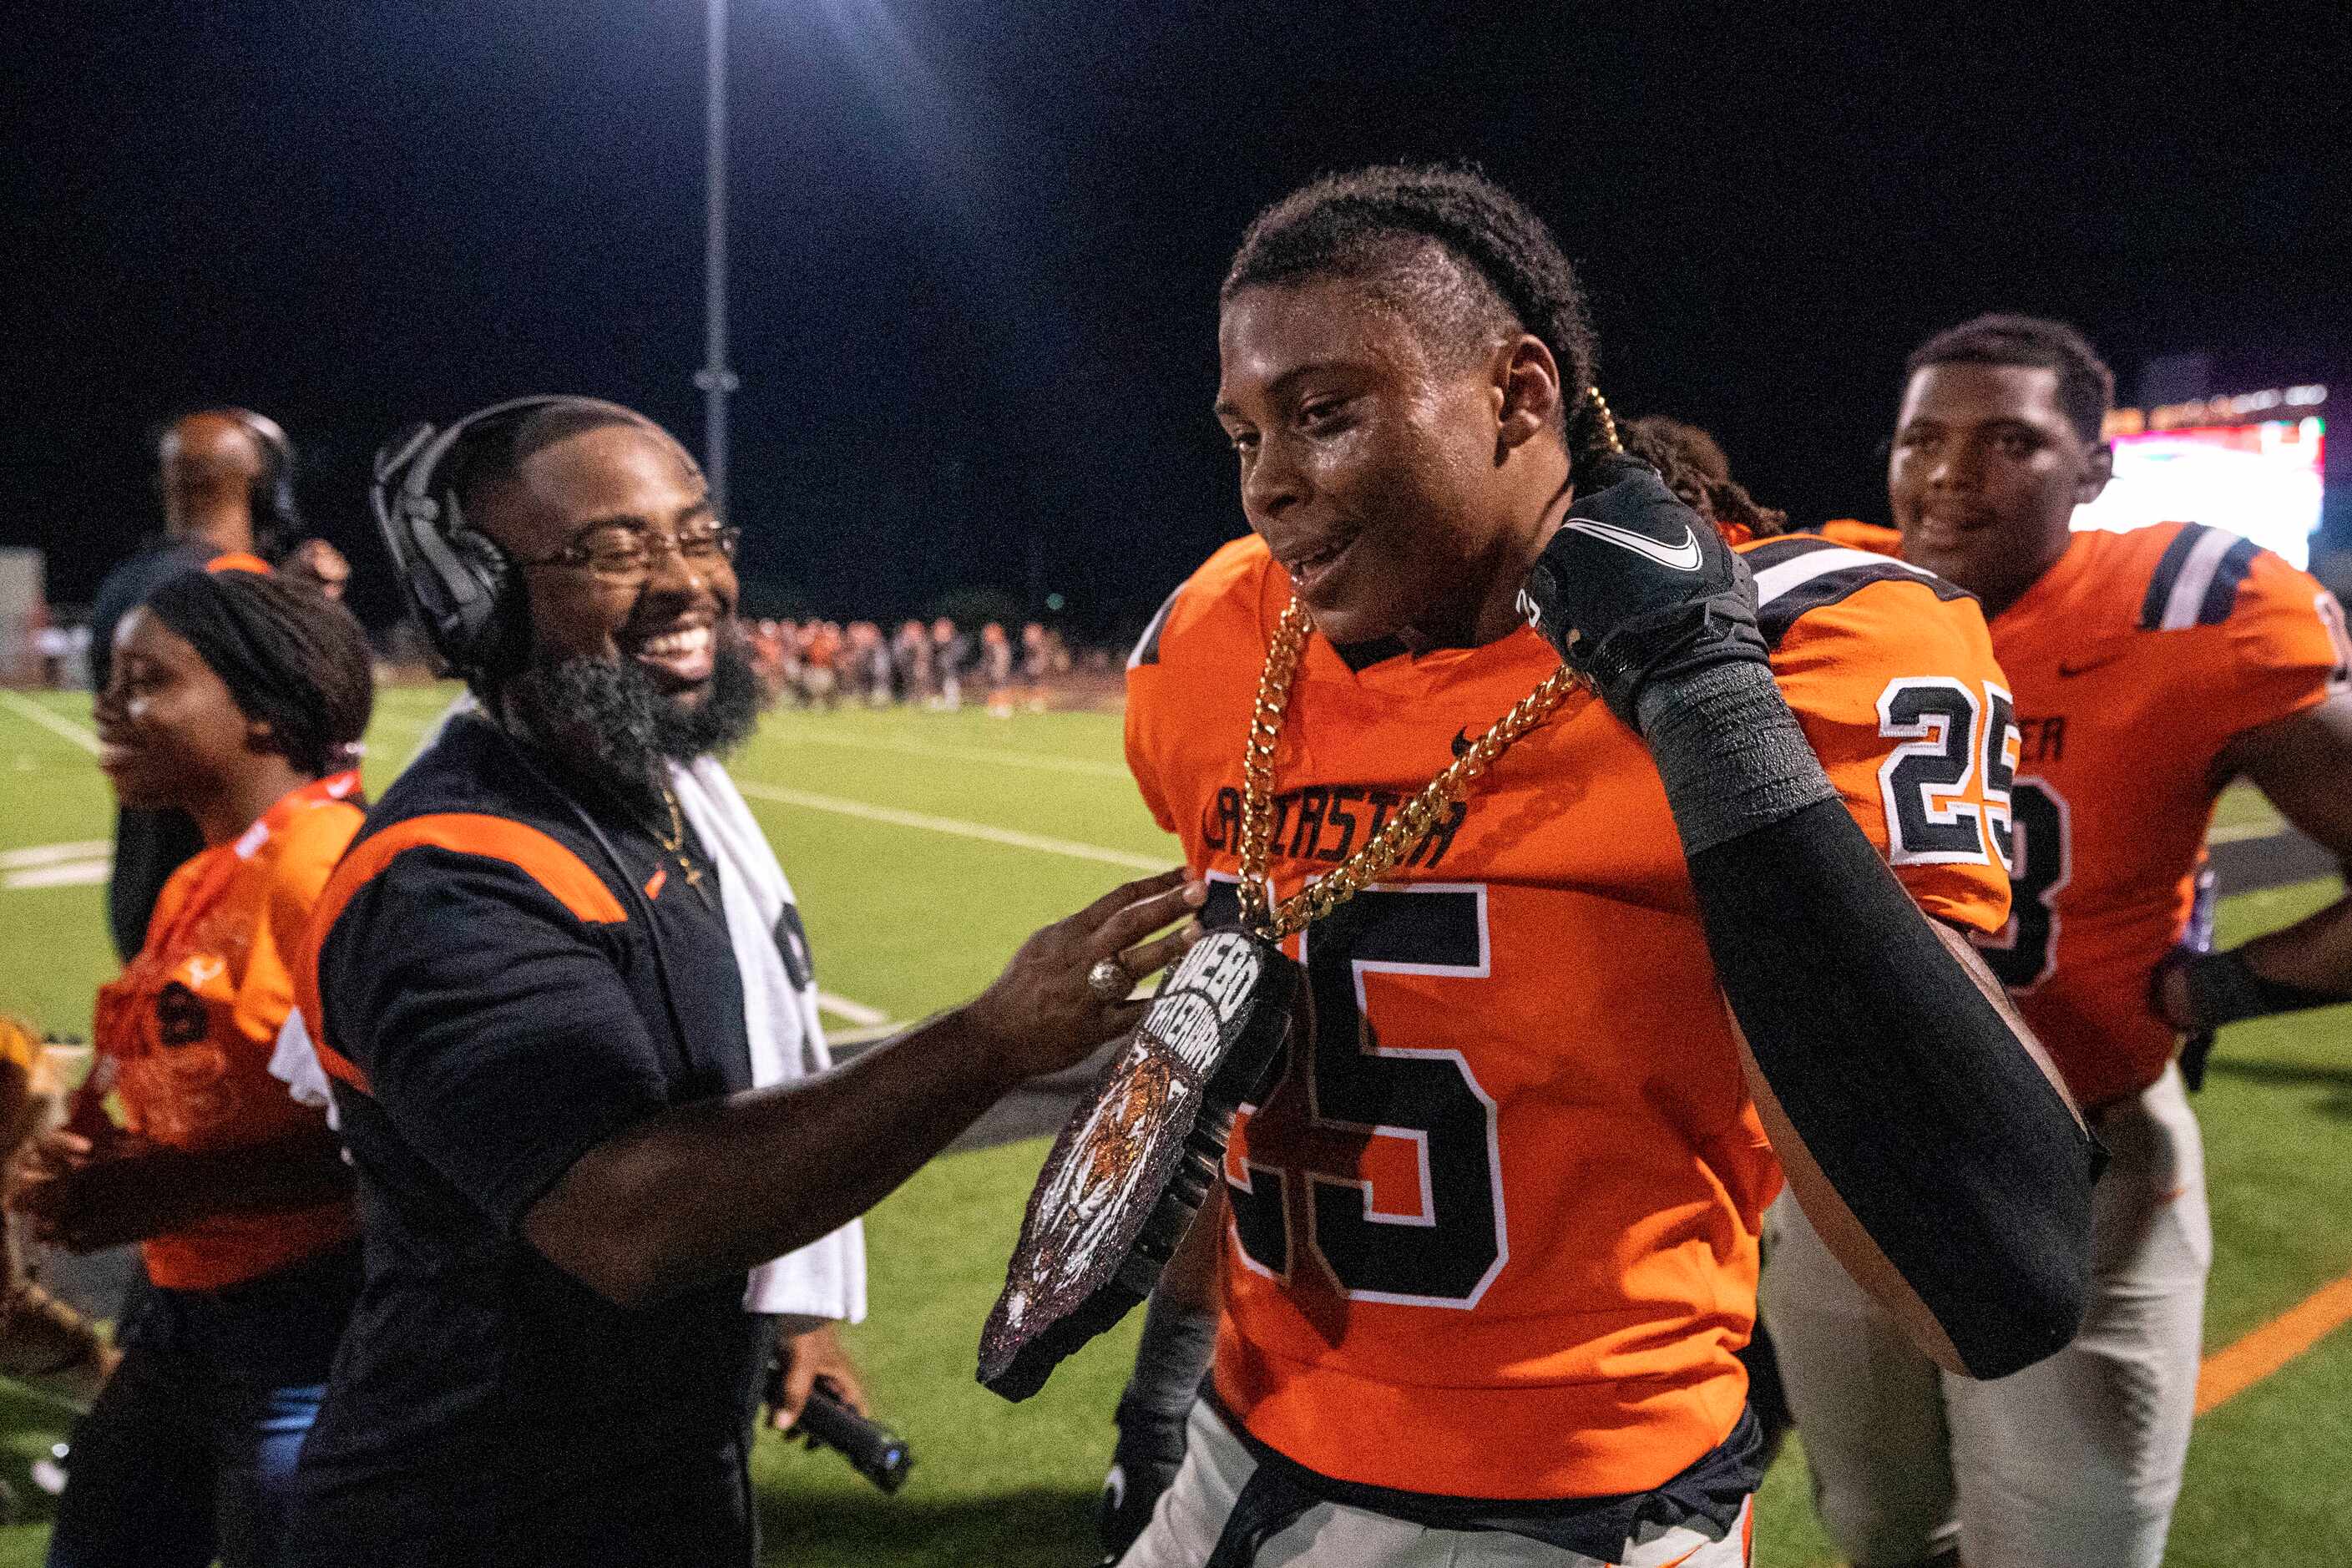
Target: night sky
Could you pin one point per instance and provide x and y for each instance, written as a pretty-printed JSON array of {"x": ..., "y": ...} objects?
[{"x": 976, "y": 246}]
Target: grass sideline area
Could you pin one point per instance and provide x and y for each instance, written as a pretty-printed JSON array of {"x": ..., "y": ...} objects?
[{"x": 909, "y": 908}]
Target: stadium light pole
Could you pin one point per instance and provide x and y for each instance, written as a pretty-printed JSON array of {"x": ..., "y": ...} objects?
[{"x": 715, "y": 378}]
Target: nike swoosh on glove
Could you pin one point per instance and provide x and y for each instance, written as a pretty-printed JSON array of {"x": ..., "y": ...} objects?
[{"x": 1636, "y": 588}]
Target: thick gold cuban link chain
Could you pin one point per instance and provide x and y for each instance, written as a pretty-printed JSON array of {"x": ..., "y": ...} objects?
[{"x": 1387, "y": 847}]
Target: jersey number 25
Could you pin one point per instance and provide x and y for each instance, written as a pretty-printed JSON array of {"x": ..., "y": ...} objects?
[{"x": 1945, "y": 783}]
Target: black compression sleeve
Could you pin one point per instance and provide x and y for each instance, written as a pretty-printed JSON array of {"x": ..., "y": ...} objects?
[{"x": 1906, "y": 1083}]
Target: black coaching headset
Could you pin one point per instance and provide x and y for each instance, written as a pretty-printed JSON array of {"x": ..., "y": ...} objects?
[
  {"x": 286, "y": 526},
  {"x": 457, "y": 579}
]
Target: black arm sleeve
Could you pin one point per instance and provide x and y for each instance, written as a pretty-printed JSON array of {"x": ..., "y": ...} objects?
[{"x": 1906, "y": 1084}]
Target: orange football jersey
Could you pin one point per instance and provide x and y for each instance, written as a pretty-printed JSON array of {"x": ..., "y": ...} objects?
[
  {"x": 1493, "y": 1230},
  {"x": 2135, "y": 659},
  {"x": 187, "y": 1029}
]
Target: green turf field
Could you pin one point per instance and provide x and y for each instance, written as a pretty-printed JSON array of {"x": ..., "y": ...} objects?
[{"x": 923, "y": 846}]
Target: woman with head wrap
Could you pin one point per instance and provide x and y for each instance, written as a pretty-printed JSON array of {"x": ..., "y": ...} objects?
[{"x": 239, "y": 698}]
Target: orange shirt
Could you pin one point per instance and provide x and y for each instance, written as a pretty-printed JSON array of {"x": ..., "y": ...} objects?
[
  {"x": 2134, "y": 659},
  {"x": 1494, "y": 1230},
  {"x": 189, "y": 1026}
]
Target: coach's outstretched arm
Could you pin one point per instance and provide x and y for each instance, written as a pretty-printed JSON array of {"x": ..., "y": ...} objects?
[
  {"x": 1922, "y": 1131},
  {"x": 718, "y": 1187}
]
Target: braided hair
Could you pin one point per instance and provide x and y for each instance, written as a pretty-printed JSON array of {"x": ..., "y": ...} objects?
[
  {"x": 1463, "y": 260},
  {"x": 291, "y": 659},
  {"x": 1693, "y": 464}
]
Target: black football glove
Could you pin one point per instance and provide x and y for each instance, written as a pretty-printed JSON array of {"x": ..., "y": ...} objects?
[
  {"x": 1636, "y": 588},
  {"x": 2197, "y": 1044},
  {"x": 1143, "y": 1463}
]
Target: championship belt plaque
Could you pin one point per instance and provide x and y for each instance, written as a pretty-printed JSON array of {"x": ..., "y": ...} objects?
[{"x": 1135, "y": 1162}]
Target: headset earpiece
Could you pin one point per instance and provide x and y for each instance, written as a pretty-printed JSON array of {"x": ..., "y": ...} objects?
[
  {"x": 286, "y": 527},
  {"x": 456, "y": 578}
]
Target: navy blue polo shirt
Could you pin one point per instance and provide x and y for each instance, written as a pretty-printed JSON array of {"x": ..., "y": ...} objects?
[{"x": 492, "y": 1009}]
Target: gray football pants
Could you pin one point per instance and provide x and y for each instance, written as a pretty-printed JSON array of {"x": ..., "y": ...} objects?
[{"x": 2076, "y": 1459}]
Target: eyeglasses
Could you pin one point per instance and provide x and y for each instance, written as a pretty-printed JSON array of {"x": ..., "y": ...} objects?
[{"x": 619, "y": 553}]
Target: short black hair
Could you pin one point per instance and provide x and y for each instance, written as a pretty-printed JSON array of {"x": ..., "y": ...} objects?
[
  {"x": 1694, "y": 466},
  {"x": 494, "y": 451},
  {"x": 290, "y": 656},
  {"x": 1462, "y": 259},
  {"x": 2086, "y": 388}
]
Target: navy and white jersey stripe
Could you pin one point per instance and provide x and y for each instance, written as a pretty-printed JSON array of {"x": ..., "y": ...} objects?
[
  {"x": 1147, "y": 647},
  {"x": 1797, "y": 574},
  {"x": 2197, "y": 580}
]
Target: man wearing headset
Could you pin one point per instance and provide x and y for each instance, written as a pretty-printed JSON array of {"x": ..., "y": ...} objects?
[
  {"x": 214, "y": 467},
  {"x": 533, "y": 986}
]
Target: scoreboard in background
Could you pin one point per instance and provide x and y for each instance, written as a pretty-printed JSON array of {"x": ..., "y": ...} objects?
[{"x": 2250, "y": 464}]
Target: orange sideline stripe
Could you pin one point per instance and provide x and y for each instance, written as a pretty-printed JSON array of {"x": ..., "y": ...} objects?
[{"x": 2233, "y": 1369}]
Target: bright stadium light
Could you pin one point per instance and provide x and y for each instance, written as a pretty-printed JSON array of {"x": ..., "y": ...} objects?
[{"x": 715, "y": 378}]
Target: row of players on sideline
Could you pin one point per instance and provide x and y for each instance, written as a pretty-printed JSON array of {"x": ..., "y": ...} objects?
[
  {"x": 564, "y": 1169},
  {"x": 821, "y": 664}
]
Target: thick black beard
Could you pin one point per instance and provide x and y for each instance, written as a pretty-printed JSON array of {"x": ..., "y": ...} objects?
[{"x": 610, "y": 721}]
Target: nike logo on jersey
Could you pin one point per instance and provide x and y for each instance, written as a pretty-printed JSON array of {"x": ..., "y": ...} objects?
[
  {"x": 2066, "y": 669},
  {"x": 1682, "y": 557}
]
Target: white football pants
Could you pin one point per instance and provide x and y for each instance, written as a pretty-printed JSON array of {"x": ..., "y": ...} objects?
[
  {"x": 1191, "y": 1513},
  {"x": 2076, "y": 1460}
]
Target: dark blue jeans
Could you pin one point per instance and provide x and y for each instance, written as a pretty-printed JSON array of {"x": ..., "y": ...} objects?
[{"x": 188, "y": 1455}]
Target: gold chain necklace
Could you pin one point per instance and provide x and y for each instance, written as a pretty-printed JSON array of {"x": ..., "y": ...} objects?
[
  {"x": 1387, "y": 847},
  {"x": 675, "y": 840}
]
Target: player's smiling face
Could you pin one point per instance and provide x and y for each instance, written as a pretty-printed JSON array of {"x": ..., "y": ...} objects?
[
  {"x": 1985, "y": 474},
  {"x": 1372, "y": 473},
  {"x": 669, "y": 624}
]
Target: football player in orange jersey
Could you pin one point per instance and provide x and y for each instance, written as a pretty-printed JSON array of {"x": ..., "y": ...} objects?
[
  {"x": 2150, "y": 668},
  {"x": 1488, "y": 1246}
]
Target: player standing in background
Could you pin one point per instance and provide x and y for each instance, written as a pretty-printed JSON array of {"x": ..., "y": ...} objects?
[
  {"x": 1489, "y": 1242},
  {"x": 2149, "y": 670},
  {"x": 1694, "y": 468}
]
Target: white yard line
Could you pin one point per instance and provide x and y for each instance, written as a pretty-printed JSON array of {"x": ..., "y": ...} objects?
[
  {"x": 857, "y": 1012},
  {"x": 50, "y": 854},
  {"x": 863, "y": 1034},
  {"x": 1007, "y": 837},
  {"x": 71, "y": 874},
  {"x": 1088, "y": 766},
  {"x": 82, "y": 735},
  {"x": 2238, "y": 832}
]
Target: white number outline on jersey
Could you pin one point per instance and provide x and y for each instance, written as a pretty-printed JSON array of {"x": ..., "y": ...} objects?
[
  {"x": 1261, "y": 1220},
  {"x": 1940, "y": 728},
  {"x": 2020, "y": 956}
]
